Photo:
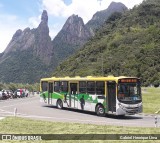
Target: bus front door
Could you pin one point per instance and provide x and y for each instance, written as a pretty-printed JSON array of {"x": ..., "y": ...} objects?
[
  {"x": 111, "y": 86},
  {"x": 72, "y": 95},
  {"x": 50, "y": 91}
]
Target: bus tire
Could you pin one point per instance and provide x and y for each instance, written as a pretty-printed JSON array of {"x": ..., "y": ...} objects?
[
  {"x": 100, "y": 111},
  {"x": 59, "y": 104}
]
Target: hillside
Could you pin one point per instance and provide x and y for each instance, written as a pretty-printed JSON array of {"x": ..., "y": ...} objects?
[{"x": 127, "y": 44}]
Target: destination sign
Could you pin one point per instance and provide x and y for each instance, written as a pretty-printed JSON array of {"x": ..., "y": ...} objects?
[{"x": 133, "y": 80}]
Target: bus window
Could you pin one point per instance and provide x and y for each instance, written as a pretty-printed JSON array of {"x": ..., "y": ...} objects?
[
  {"x": 64, "y": 86},
  {"x": 129, "y": 92},
  {"x": 82, "y": 87},
  {"x": 91, "y": 87},
  {"x": 44, "y": 85},
  {"x": 100, "y": 88},
  {"x": 56, "y": 86},
  {"x": 50, "y": 87}
]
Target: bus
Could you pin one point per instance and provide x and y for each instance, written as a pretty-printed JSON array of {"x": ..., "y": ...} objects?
[{"x": 103, "y": 95}]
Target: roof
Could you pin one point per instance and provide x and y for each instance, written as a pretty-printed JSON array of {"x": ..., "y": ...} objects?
[{"x": 88, "y": 78}]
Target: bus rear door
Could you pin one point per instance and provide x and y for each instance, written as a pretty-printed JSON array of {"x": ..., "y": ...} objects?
[
  {"x": 73, "y": 95},
  {"x": 111, "y": 86},
  {"x": 50, "y": 91}
]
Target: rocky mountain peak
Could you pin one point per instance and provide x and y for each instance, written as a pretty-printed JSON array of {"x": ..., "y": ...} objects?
[
  {"x": 100, "y": 17},
  {"x": 118, "y": 6},
  {"x": 73, "y": 18},
  {"x": 73, "y": 21},
  {"x": 37, "y": 40},
  {"x": 44, "y": 17},
  {"x": 43, "y": 26},
  {"x": 75, "y": 28},
  {"x": 113, "y": 7},
  {"x": 72, "y": 36},
  {"x": 44, "y": 44},
  {"x": 17, "y": 34}
]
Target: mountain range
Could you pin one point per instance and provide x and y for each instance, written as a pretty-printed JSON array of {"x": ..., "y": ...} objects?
[
  {"x": 127, "y": 44},
  {"x": 31, "y": 54}
]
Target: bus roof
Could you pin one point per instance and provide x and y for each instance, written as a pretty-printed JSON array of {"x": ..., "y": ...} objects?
[{"x": 88, "y": 78}]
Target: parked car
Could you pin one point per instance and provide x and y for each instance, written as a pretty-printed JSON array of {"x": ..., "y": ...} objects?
[
  {"x": 5, "y": 94},
  {"x": 21, "y": 93}
]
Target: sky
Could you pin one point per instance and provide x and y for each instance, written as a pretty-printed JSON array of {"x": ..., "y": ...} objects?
[{"x": 20, "y": 14}]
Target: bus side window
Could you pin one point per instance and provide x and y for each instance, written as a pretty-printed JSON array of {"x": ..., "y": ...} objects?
[
  {"x": 100, "y": 89},
  {"x": 82, "y": 87},
  {"x": 44, "y": 85},
  {"x": 91, "y": 87},
  {"x": 50, "y": 87},
  {"x": 56, "y": 86},
  {"x": 64, "y": 86}
]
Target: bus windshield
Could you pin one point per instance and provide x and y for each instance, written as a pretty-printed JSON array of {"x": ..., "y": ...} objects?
[{"x": 129, "y": 93}]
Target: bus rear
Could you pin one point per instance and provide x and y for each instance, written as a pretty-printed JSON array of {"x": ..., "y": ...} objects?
[{"x": 129, "y": 98}]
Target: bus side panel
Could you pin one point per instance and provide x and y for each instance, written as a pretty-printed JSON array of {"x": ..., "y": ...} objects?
[
  {"x": 44, "y": 97},
  {"x": 88, "y": 102}
]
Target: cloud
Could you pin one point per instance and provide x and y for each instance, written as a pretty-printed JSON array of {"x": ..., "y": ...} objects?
[
  {"x": 54, "y": 7},
  {"x": 8, "y": 26},
  {"x": 54, "y": 29},
  {"x": 84, "y": 8},
  {"x": 7, "y": 18},
  {"x": 34, "y": 21},
  {"x": 59, "y": 8}
]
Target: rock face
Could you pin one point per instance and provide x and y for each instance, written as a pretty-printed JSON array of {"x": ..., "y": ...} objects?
[
  {"x": 29, "y": 55},
  {"x": 21, "y": 40},
  {"x": 72, "y": 36},
  {"x": 76, "y": 30},
  {"x": 37, "y": 40},
  {"x": 100, "y": 17},
  {"x": 43, "y": 45}
]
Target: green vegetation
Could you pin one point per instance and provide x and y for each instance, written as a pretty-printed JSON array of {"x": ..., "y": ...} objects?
[
  {"x": 127, "y": 44},
  {"x": 23, "y": 67},
  {"x": 26, "y": 126},
  {"x": 14, "y": 86},
  {"x": 151, "y": 100}
]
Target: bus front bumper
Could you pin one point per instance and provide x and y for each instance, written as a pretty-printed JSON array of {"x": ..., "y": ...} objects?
[{"x": 128, "y": 109}]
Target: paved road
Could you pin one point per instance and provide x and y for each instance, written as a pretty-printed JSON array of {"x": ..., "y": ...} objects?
[{"x": 31, "y": 108}]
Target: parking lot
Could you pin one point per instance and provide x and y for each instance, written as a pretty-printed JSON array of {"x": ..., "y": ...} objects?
[{"x": 19, "y": 93}]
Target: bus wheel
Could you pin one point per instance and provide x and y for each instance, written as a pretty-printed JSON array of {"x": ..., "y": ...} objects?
[
  {"x": 100, "y": 110},
  {"x": 59, "y": 104}
]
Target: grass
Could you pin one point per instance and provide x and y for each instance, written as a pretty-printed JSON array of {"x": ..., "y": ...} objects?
[
  {"x": 16, "y": 125},
  {"x": 151, "y": 100}
]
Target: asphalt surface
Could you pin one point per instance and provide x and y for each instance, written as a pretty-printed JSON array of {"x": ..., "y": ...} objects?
[{"x": 30, "y": 107}]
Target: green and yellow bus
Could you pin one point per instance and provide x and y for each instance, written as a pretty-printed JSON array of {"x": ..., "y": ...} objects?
[{"x": 111, "y": 95}]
